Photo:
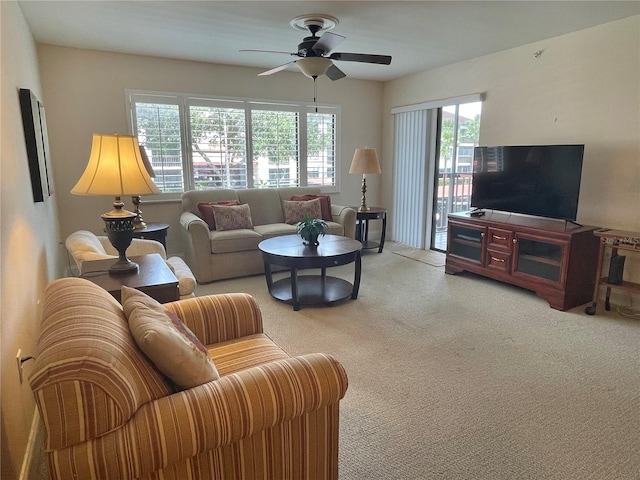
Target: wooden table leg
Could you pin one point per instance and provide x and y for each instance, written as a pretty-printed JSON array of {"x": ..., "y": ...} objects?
[
  {"x": 267, "y": 275},
  {"x": 356, "y": 276},
  {"x": 384, "y": 233},
  {"x": 596, "y": 289},
  {"x": 295, "y": 301}
]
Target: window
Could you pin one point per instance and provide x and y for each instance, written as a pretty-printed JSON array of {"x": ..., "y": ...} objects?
[
  {"x": 199, "y": 142},
  {"x": 158, "y": 128},
  {"x": 218, "y": 147},
  {"x": 276, "y": 147}
]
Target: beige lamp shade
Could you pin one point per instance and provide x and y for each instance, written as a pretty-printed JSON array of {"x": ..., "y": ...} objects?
[
  {"x": 147, "y": 162},
  {"x": 115, "y": 168},
  {"x": 365, "y": 160}
]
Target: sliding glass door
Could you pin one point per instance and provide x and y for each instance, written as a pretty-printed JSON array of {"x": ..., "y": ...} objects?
[{"x": 458, "y": 134}]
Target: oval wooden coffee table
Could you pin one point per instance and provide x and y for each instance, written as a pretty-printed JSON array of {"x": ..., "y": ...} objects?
[{"x": 289, "y": 251}]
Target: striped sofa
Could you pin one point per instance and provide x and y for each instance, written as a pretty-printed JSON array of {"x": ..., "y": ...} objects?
[{"x": 109, "y": 414}]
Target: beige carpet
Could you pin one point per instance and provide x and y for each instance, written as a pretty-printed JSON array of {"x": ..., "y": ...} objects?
[
  {"x": 460, "y": 377},
  {"x": 435, "y": 259}
]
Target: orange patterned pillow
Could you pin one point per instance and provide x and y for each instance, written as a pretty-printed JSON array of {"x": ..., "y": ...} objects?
[
  {"x": 295, "y": 211},
  {"x": 232, "y": 217},
  {"x": 325, "y": 204},
  {"x": 206, "y": 211}
]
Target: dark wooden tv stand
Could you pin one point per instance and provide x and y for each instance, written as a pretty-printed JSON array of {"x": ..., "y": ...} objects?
[{"x": 554, "y": 258}]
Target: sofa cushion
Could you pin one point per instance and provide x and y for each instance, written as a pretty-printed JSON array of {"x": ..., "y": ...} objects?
[
  {"x": 227, "y": 241},
  {"x": 245, "y": 352},
  {"x": 167, "y": 341},
  {"x": 296, "y": 211},
  {"x": 325, "y": 203},
  {"x": 275, "y": 230},
  {"x": 265, "y": 205},
  {"x": 206, "y": 211},
  {"x": 232, "y": 217},
  {"x": 191, "y": 198}
]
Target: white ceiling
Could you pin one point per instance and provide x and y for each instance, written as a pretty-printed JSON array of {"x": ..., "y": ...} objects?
[{"x": 419, "y": 35}]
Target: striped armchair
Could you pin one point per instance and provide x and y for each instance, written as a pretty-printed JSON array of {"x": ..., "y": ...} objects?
[{"x": 109, "y": 414}]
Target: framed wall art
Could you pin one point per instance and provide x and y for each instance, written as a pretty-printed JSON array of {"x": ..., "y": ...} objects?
[{"x": 35, "y": 135}]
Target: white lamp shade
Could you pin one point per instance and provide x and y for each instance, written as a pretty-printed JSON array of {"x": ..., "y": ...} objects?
[
  {"x": 115, "y": 168},
  {"x": 314, "y": 66},
  {"x": 365, "y": 160}
]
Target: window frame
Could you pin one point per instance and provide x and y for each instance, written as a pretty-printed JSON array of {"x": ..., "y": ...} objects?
[{"x": 184, "y": 101}]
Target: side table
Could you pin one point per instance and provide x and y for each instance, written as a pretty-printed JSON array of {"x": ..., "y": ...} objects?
[
  {"x": 153, "y": 277},
  {"x": 362, "y": 227},
  {"x": 615, "y": 240},
  {"x": 153, "y": 231}
]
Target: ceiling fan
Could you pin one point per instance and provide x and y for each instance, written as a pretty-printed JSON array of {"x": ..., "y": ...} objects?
[{"x": 316, "y": 53}]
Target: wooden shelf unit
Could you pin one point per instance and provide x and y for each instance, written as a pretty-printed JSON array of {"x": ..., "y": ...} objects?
[
  {"x": 555, "y": 259},
  {"x": 615, "y": 240}
]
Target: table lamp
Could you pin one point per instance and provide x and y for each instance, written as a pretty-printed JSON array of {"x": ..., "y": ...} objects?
[
  {"x": 116, "y": 168},
  {"x": 365, "y": 160},
  {"x": 139, "y": 222}
]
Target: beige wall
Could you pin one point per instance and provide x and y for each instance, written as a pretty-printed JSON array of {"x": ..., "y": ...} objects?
[
  {"x": 28, "y": 239},
  {"x": 584, "y": 88},
  {"x": 86, "y": 95}
]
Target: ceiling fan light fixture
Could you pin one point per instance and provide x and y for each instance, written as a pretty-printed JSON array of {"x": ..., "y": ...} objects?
[{"x": 314, "y": 67}]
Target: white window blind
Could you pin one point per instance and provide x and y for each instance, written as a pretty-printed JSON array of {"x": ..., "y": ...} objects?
[
  {"x": 198, "y": 142},
  {"x": 410, "y": 177},
  {"x": 158, "y": 126}
]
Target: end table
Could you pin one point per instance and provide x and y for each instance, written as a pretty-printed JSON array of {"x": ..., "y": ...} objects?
[
  {"x": 362, "y": 227},
  {"x": 153, "y": 231},
  {"x": 153, "y": 277}
]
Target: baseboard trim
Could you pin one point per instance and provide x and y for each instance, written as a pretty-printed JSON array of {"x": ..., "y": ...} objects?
[{"x": 26, "y": 472}]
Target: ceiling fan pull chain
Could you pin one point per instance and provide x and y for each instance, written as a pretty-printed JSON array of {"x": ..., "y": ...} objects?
[{"x": 315, "y": 93}]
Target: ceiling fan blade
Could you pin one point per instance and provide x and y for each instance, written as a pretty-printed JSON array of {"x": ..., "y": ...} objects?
[
  {"x": 276, "y": 69},
  {"x": 268, "y": 51},
  {"x": 361, "y": 57},
  {"x": 328, "y": 42},
  {"x": 334, "y": 73}
]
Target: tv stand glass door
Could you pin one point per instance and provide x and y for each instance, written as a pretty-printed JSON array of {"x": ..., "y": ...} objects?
[{"x": 538, "y": 258}]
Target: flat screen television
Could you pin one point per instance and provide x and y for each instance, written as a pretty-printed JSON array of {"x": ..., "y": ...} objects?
[{"x": 541, "y": 180}]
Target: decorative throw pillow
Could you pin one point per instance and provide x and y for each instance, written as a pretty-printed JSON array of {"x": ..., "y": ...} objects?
[
  {"x": 295, "y": 211},
  {"x": 206, "y": 211},
  {"x": 232, "y": 217},
  {"x": 325, "y": 203},
  {"x": 167, "y": 341}
]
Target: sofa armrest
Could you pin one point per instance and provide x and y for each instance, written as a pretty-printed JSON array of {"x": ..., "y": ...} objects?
[
  {"x": 186, "y": 280},
  {"x": 346, "y": 216},
  {"x": 174, "y": 428},
  {"x": 218, "y": 318},
  {"x": 198, "y": 246}
]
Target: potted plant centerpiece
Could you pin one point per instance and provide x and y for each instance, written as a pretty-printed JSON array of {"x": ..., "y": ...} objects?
[{"x": 310, "y": 229}]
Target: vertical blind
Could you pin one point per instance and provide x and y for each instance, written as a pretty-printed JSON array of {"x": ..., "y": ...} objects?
[{"x": 410, "y": 177}]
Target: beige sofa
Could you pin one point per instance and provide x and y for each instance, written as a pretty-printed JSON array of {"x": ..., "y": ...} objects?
[
  {"x": 216, "y": 255},
  {"x": 109, "y": 413}
]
